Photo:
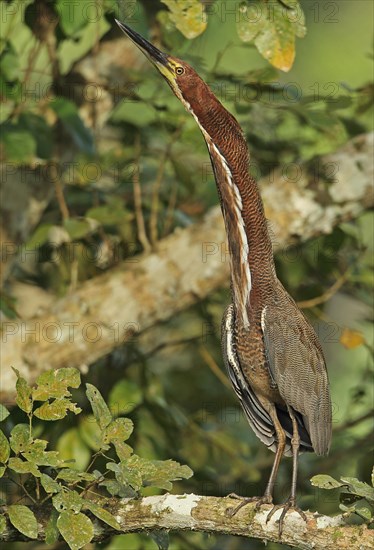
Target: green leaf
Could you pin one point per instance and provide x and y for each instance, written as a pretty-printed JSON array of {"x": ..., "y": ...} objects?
[
  {"x": 19, "y": 438},
  {"x": 76, "y": 529},
  {"x": 4, "y": 413},
  {"x": 100, "y": 409},
  {"x": 188, "y": 16},
  {"x": 23, "y": 519},
  {"x": 69, "y": 116},
  {"x": 4, "y": 448},
  {"x": 2, "y": 523},
  {"x": 72, "y": 447},
  {"x": 23, "y": 466},
  {"x": 17, "y": 145},
  {"x": 56, "y": 410},
  {"x": 124, "y": 397},
  {"x": 164, "y": 472},
  {"x": 68, "y": 500},
  {"x": 2, "y": 471},
  {"x": 72, "y": 476},
  {"x": 325, "y": 482},
  {"x": 73, "y": 16},
  {"x": 102, "y": 514},
  {"x": 36, "y": 452},
  {"x": 78, "y": 229},
  {"x": 55, "y": 383},
  {"x": 49, "y": 484},
  {"x": 90, "y": 432},
  {"x": 138, "y": 114},
  {"x": 23, "y": 399},
  {"x": 127, "y": 473},
  {"x": 51, "y": 531},
  {"x": 359, "y": 488}
]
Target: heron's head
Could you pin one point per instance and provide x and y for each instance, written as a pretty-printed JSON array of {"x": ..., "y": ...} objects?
[{"x": 181, "y": 77}]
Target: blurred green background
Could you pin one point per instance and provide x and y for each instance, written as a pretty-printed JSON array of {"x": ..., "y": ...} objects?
[{"x": 167, "y": 377}]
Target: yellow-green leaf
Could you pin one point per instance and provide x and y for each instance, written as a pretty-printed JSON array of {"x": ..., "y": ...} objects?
[
  {"x": 188, "y": 16},
  {"x": 124, "y": 397},
  {"x": 55, "y": 383},
  {"x": 100, "y": 409},
  {"x": 73, "y": 448},
  {"x": 102, "y": 514},
  {"x": 4, "y": 413},
  {"x": 324, "y": 481},
  {"x": 2, "y": 524},
  {"x": 23, "y": 519},
  {"x": 76, "y": 529},
  {"x": 118, "y": 430},
  {"x": 4, "y": 448},
  {"x": 49, "y": 484},
  {"x": 23, "y": 466},
  {"x": 19, "y": 438},
  {"x": 56, "y": 410},
  {"x": 23, "y": 399},
  {"x": 51, "y": 531}
]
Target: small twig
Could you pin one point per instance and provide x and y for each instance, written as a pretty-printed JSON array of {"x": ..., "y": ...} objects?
[
  {"x": 329, "y": 293},
  {"x": 61, "y": 199},
  {"x": 138, "y": 198},
  {"x": 354, "y": 422}
]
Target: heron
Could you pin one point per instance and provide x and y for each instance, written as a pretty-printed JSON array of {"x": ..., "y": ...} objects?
[{"x": 272, "y": 354}]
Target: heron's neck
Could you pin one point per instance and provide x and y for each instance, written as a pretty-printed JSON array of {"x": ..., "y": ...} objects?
[{"x": 251, "y": 256}]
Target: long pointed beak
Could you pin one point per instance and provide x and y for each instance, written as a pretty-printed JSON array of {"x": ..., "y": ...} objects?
[{"x": 154, "y": 54}]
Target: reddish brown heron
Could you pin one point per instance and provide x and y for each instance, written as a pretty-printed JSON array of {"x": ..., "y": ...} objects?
[{"x": 273, "y": 356}]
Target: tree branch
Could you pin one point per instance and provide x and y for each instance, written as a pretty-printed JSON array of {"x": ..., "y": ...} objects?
[
  {"x": 104, "y": 312},
  {"x": 191, "y": 512}
]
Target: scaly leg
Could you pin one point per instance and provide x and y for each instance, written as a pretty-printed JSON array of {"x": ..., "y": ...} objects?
[
  {"x": 291, "y": 501},
  {"x": 267, "y": 498}
]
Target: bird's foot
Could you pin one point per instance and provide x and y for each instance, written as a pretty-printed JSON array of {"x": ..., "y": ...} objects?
[
  {"x": 290, "y": 504},
  {"x": 266, "y": 499}
]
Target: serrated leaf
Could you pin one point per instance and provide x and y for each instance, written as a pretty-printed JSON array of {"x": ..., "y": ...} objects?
[
  {"x": 359, "y": 488},
  {"x": 51, "y": 531},
  {"x": 56, "y": 410},
  {"x": 4, "y": 448},
  {"x": 325, "y": 482},
  {"x": 188, "y": 16},
  {"x": 76, "y": 529},
  {"x": 68, "y": 500},
  {"x": 19, "y": 438},
  {"x": 36, "y": 452},
  {"x": 2, "y": 524},
  {"x": 23, "y": 519},
  {"x": 102, "y": 514},
  {"x": 127, "y": 473},
  {"x": 71, "y": 476},
  {"x": 55, "y": 383},
  {"x": 23, "y": 466},
  {"x": 124, "y": 397},
  {"x": 4, "y": 413},
  {"x": 23, "y": 399},
  {"x": 100, "y": 409},
  {"x": 164, "y": 472},
  {"x": 49, "y": 485}
]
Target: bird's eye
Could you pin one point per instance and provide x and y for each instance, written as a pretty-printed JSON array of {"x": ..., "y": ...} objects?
[{"x": 179, "y": 70}]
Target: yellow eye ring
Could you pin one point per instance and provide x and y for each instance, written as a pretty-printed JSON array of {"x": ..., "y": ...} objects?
[{"x": 179, "y": 70}]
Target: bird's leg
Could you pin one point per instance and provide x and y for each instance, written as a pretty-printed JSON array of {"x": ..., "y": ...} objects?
[
  {"x": 291, "y": 501},
  {"x": 267, "y": 498}
]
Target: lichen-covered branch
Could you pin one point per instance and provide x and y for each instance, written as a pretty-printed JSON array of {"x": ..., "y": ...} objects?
[
  {"x": 104, "y": 312},
  {"x": 191, "y": 512}
]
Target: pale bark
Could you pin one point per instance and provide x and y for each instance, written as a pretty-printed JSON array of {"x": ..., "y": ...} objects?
[
  {"x": 191, "y": 512},
  {"x": 104, "y": 312}
]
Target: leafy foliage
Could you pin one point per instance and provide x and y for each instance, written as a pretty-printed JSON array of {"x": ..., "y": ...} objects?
[
  {"x": 71, "y": 490},
  {"x": 356, "y": 497}
]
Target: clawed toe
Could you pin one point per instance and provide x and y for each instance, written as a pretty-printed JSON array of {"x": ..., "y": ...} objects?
[
  {"x": 231, "y": 511},
  {"x": 288, "y": 505}
]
